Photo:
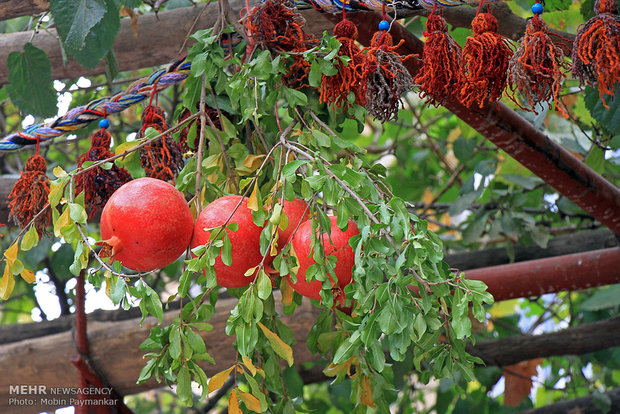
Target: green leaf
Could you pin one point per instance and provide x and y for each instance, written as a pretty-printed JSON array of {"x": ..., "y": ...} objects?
[
  {"x": 263, "y": 285},
  {"x": 175, "y": 343},
  {"x": 74, "y": 19},
  {"x": 30, "y": 239},
  {"x": 464, "y": 148},
  {"x": 603, "y": 299},
  {"x": 347, "y": 348},
  {"x": 184, "y": 386},
  {"x": 196, "y": 342},
  {"x": 30, "y": 82},
  {"x": 289, "y": 169},
  {"x": 87, "y": 28},
  {"x": 153, "y": 304},
  {"x": 608, "y": 118},
  {"x": 77, "y": 213}
]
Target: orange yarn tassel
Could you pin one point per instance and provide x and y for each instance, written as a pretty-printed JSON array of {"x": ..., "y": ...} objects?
[
  {"x": 162, "y": 158},
  {"x": 385, "y": 76},
  {"x": 335, "y": 89},
  {"x": 30, "y": 195},
  {"x": 97, "y": 183},
  {"x": 537, "y": 68},
  {"x": 440, "y": 74},
  {"x": 596, "y": 49},
  {"x": 485, "y": 63}
]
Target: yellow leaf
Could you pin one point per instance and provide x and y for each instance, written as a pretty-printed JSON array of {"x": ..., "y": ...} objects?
[
  {"x": 216, "y": 381},
  {"x": 278, "y": 345},
  {"x": 127, "y": 146},
  {"x": 336, "y": 369},
  {"x": 287, "y": 291},
  {"x": 63, "y": 221},
  {"x": 233, "y": 403},
  {"x": 249, "y": 365},
  {"x": 252, "y": 162},
  {"x": 28, "y": 276},
  {"x": 11, "y": 254},
  {"x": 250, "y": 401},
  {"x": 7, "y": 283},
  {"x": 253, "y": 200},
  {"x": 59, "y": 172},
  {"x": 365, "y": 390}
]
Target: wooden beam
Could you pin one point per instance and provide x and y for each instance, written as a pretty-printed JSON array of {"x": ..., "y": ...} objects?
[
  {"x": 9, "y": 9},
  {"x": 581, "y": 405},
  {"x": 575, "y": 340}
]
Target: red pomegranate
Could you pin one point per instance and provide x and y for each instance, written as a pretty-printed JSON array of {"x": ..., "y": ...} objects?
[
  {"x": 296, "y": 211},
  {"x": 339, "y": 247},
  {"x": 245, "y": 241},
  {"x": 148, "y": 224}
]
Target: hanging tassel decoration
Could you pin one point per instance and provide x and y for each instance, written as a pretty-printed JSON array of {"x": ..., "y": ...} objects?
[
  {"x": 183, "y": 135},
  {"x": 98, "y": 183},
  {"x": 440, "y": 75},
  {"x": 30, "y": 195},
  {"x": 485, "y": 63},
  {"x": 538, "y": 66},
  {"x": 162, "y": 158},
  {"x": 275, "y": 26},
  {"x": 385, "y": 76},
  {"x": 335, "y": 89},
  {"x": 596, "y": 49}
]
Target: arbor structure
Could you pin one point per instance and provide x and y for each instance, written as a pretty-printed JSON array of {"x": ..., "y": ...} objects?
[{"x": 481, "y": 226}]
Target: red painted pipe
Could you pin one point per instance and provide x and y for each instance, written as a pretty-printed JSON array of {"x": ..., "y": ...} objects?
[
  {"x": 550, "y": 275},
  {"x": 515, "y": 135}
]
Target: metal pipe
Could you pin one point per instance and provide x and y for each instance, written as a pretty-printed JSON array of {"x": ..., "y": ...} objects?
[{"x": 551, "y": 275}]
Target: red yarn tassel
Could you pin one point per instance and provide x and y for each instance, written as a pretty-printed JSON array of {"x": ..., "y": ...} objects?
[
  {"x": 440, "y": 75},
  {"x": 335, "y": 89},
  {"x": 162, "y": 158},
  {"x": 97, "y": 183},
  {"x": 385, "y": 76},
  {"x": 277, "y": 27},
  {"x": 485, "y": 63},
  {"x": 537, "y": 68},
  {"x": 596, "y": 49},
  {"x": 30, "y": 195}
]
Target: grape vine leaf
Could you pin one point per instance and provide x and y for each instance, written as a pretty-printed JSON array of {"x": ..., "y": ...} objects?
[
  {"x": 87, "y": 28},
  {"x": 30, "y": 82}
]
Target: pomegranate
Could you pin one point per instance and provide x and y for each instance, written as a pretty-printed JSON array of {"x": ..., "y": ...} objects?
[
  {"x": 339, "y": 247},
  {"x": 294, "y": 211},
  {"x": 148, "y": 224},
  {"x": 245, "y": 241}
]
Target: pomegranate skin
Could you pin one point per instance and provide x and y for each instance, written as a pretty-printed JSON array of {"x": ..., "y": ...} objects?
[
  {"x": 294, "y": 211},
  {"x": 340, "y": 248},
  {"x": 148, "y": 223},
  {"x": 245, "y": 241}
]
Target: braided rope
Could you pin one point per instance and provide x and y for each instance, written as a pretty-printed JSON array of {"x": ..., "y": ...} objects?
[
  {"x": 336, "y": 6},
  {"x": 82, "y": 116}
]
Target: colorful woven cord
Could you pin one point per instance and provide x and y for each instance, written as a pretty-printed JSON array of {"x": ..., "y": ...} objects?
[
  {"x": 82, "y": 116},
  {"x": 336, "y": 6}
]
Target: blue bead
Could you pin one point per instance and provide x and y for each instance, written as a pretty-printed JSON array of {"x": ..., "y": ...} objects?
[
  {"x": 104, "y": 123},
  {"x": 384, "y": 25},
  {"x": 537, "y": 8}
]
